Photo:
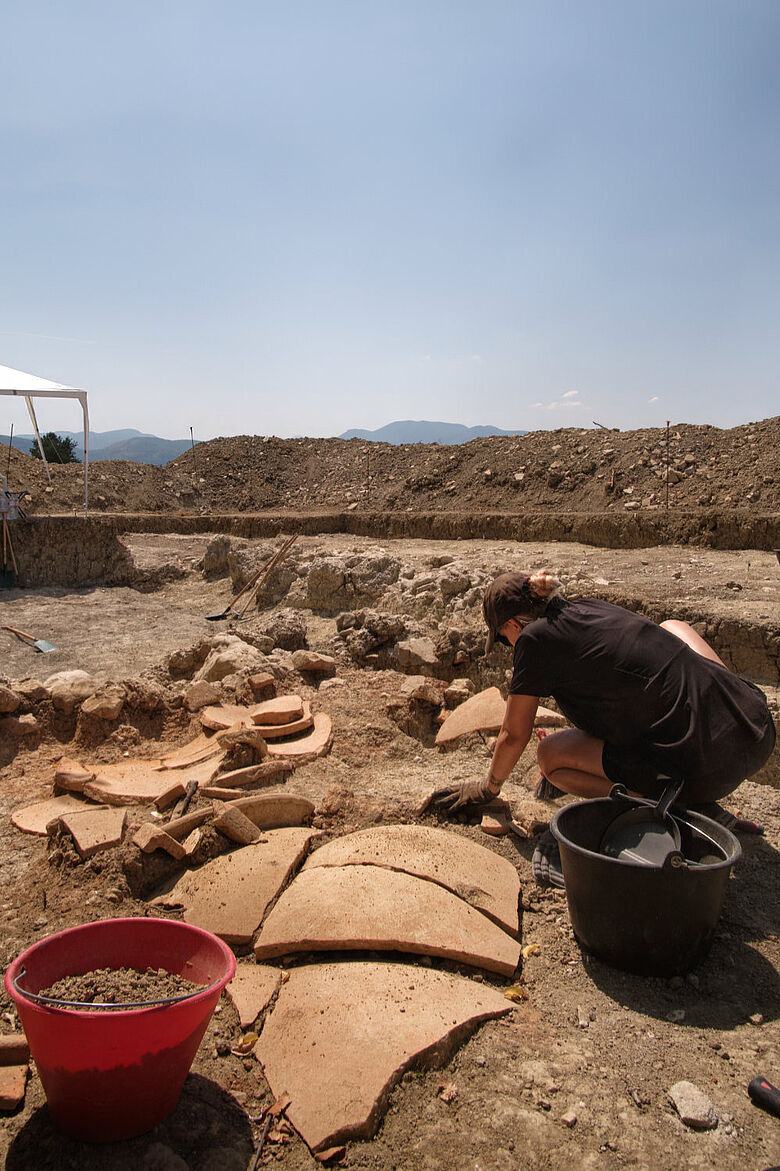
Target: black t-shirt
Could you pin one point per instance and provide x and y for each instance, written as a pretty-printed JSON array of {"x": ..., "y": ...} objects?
[{"x": 624, "y": 680}]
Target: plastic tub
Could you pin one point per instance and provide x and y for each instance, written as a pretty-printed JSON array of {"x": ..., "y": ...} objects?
[
  {"x": 651, "y": 920},
  {"x": 112, "y": 1074}
]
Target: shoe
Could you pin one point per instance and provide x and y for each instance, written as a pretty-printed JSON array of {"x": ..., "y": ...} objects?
[
  {"x": 716, "y": 812},
  {"x": 546, "y": 862}
]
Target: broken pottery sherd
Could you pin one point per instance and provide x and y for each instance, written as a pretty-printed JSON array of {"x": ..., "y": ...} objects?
[
  {"x": 33, "y": 819},
  {"x": 229, "y": 895},
  {"x": 71, "y": 775},
  {"x": 308, "y": 747},
  {"x": 291, "y": 728},
  {"x": 273, "y": 810},
  {"x": 484, "y": 712},
  {"x": 94, "y": 830},
  {"x": 284, "y": 709},
  {"x": 359, "y": 908},
  {"x": 251, "y": 989},
  {"x": 340, "y": 1036},
  {"x": 479, "y": 876}
]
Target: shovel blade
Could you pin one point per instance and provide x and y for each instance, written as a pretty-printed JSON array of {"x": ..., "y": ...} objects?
[{"x": 44, "y": 647}]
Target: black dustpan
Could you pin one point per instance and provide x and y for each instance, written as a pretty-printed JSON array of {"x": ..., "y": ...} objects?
[{"x": 644, "y": 833}]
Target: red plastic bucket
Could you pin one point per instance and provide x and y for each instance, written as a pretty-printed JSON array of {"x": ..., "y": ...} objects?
[{"x": 110, "y": 1075}]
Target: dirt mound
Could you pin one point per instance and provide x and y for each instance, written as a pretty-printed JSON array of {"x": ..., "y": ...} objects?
[{"x": 569, "y": 470}]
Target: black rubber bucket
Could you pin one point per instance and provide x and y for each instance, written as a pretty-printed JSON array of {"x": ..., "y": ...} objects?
[{"x": 653, "y": 920}]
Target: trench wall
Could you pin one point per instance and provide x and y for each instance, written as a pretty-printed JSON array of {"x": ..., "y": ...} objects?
[{"x": 79, "y": 551}]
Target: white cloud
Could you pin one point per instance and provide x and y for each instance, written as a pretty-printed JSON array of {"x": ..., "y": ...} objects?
[
  {"x": 476, "y": 357},
  {"x": 571, "y": 394},
  {"x": 654, "y": 399},
  {"x": 537, "y": 404}
]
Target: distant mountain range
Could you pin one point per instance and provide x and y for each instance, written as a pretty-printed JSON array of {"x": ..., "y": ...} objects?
[
  {"x": 124, "y": 444},
  {"x": 414, "y": 431},
  {"x": 150, "y": 449}
]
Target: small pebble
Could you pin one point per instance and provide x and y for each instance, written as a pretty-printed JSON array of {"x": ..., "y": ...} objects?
[
  {"x": 676, "y": 1016},
  {"x": 569, "y": 1118},
  {"x": 756, "y": 1019},
  {"x": 693, "y": 1106}
]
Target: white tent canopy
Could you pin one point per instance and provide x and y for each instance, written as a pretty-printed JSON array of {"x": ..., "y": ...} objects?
[{"x": 28, "y": 387}]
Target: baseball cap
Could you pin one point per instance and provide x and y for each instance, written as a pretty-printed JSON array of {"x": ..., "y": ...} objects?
[{"x": 505, "y": 597}]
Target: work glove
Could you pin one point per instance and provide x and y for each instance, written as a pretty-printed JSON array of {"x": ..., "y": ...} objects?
[{"x": 470, "y": 797}]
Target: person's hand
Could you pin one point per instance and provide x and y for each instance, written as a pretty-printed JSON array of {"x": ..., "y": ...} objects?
[{"x": 468, "y": 797}]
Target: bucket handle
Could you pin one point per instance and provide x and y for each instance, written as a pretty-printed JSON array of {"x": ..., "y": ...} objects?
[{"x": 54, "y": 1002}]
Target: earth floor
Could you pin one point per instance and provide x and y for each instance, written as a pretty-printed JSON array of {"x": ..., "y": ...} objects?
[{"x": 589, "y": 1039}]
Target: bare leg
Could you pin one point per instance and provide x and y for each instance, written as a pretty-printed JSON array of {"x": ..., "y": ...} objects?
[
  {"x": 571, "y": 760},
  {"x": 689, "y": 636}
]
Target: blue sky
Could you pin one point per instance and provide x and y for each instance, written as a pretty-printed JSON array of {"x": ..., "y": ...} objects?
[{"x": 298, "y": 217}]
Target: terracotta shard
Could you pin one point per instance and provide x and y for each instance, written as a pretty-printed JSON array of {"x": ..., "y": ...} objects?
[
  {"x": 229, "y": 895},
  {"x": 251, "y": 989},
  {"x": 315, "y": 743},
  {"x": 71, "y": 775},
  {"x": 340, "y": 1036},
  {"x": 484, "y": 712},
  {"x": 282, "y": 710},
  {"x": 269, "y": 772},
  {"x": 291, "y": 728},
  {"x": 14, "y": 1049},
  {"x": 94, "y": 830},
  {"x": 234, "y": 825},
  {"x": 153, "y": 837},
  {"x": 201, "y": 748},
  {"x": 486, "y": 881},
  {"x": 343, "y": 908},
  {"x": 221, "y": 716},
  {"x": 13, "y": 1079},
  {"x": 272, "y": 810},
  {"x": 139, "y": 782},
  {"x": 33, "y": 819}
]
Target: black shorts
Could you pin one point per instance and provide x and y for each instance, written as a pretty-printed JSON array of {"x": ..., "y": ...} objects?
[{"x": 633, "y": 767}]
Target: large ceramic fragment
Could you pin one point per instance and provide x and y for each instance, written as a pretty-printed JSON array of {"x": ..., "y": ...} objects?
[
  {"x": 355, "y": 908},
  {"x": 33, "y": 819},
  {"x": 484, "y": 712},
  {"x": 281, "y": 710},
  {"x": 139, "y": 782},
  {"x": 201, "y": 748},
  {"x": 94, "y": 829},
  {"x": 229, "y": 895},
  {"x": 308, "y": 747},
  {"x": 291, "y": 728},
  {"x": 340, "y": 1036},
  {"x": 272, "y": 810},
  {"x": 484, "y": 879}
]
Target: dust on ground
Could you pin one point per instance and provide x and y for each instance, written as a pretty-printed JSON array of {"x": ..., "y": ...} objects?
[{"x": 590, "y": 1040}]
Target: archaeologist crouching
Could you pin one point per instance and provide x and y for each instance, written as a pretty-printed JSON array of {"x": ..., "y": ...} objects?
[{"x": 649, "y": 703}]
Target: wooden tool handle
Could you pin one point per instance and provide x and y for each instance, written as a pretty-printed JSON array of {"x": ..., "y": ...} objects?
[{"x": 20, "y": 632}]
